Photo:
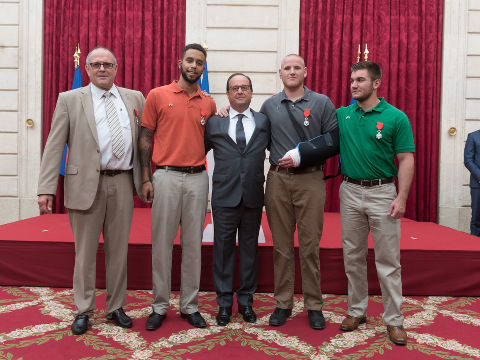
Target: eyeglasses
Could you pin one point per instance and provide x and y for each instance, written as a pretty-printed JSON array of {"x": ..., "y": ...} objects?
[
  {"x": 236, "y": 88},
  {"x": 106, "y": 66}
]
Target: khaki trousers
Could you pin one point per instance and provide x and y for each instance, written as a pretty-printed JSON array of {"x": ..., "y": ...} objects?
[
  {"x": 296, "y": 201},
  {"x": 111, "y": 213},
  {"x": 364, "y": 209},
  {"x": 180, "y": 199}
]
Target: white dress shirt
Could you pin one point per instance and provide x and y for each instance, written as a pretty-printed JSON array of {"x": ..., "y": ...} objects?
[
  {"x": 248, "y": 124},
  {"x": 108, "y": 160}
]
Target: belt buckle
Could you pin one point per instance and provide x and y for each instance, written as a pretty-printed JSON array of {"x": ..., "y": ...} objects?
[
  {"x": 369, "y": 182},
  {"x": 290, "y": 171}
]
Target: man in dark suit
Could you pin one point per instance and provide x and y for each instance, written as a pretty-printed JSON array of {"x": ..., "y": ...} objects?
[
  {"x": 239, "y": 144},
  {"x": 99, "y": 122},
  {"x": 472, "y": 163}
]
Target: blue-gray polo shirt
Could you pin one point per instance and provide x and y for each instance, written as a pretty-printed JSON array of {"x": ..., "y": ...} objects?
[{"x": 322, "y": 120}]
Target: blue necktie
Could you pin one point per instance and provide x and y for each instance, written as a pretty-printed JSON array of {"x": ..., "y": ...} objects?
[{"x": 240, "y": 134}]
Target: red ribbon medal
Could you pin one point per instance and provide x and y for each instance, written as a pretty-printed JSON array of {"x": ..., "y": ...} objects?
[
  {"x": 379, "y": 130},
  {"x": 306, "y": 114},
  {"x": 203, "y": 113},
  {"x": 136, "y": 115}
]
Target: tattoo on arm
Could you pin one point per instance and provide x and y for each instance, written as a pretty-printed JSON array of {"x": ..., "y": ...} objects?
[{"x": 145, "y": 146}]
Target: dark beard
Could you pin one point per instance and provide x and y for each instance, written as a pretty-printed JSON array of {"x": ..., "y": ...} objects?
[{"x": 185, "y": 77}]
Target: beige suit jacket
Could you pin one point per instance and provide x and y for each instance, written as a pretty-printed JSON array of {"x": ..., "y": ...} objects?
[{"x": 74, "y": 124}]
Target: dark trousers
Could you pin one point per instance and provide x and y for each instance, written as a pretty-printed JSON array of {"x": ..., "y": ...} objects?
[
  {"x": 226, "y": 222},
  {"x": 475, "y": 222}
]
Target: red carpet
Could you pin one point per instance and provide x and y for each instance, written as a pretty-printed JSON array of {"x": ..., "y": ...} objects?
[
  {"x": 35, "y": 325},
  {"x": 436, "y": 260}
]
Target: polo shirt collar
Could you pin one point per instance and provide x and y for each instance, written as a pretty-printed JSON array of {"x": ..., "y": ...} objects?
[
  {"x": 378, "y": 108},
  {"x": 177, "y": 89},
  {"x": 305, "y": 96}
]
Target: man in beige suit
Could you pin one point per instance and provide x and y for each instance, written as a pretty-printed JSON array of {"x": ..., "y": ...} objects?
[{"x": 99, "y": 122}]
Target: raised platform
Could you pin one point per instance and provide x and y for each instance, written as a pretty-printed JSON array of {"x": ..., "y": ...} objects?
[{"x": 436, "y": 260}]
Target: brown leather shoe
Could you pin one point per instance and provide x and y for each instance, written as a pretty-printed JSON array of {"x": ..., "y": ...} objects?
[
  {"x": 351, "y": 322},
  {"x": 397, "y": 334}
]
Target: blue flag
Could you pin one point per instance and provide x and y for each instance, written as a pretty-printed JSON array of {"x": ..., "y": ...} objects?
[
  {"x": 203, "y": 81},
  {"x": 77, "y": 83}
]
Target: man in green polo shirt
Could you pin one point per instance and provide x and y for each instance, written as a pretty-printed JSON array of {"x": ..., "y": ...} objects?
[{"x": 372, "y": 134}]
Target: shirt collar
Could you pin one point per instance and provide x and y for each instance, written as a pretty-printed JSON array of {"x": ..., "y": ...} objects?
[
  {"x": 305, "y": 96},
  {"x": 233, "y": 113},
  {"x": 177, "y": 89},
  {"x": 97, "y": 93},
  {"x": 378, "y": 108}
]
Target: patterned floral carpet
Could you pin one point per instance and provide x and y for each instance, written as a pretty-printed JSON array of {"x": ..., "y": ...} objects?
[{"x": 35, "y": 324}]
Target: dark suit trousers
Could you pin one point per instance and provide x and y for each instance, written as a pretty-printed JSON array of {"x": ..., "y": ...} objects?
[
  {"x": 226, "y": 222},
  {"x": 475, "y": 222}
]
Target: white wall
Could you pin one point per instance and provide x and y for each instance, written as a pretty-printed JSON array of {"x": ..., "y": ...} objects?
[
  {"x": 21, "y": 55},
  {"x": 460, "y": 108},
  {"x": 244, "y": 36}
]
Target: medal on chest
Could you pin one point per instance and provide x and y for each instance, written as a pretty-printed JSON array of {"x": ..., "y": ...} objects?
[
  {"x": 306, "y": 114},
  {"x": 202, "y": 113},
  {"x": 137, "y": 120},
  {"x": 379, "y": 130}
]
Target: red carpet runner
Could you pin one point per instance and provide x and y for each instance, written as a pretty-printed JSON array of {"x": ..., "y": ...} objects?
[{"x": 35, "y": 325}]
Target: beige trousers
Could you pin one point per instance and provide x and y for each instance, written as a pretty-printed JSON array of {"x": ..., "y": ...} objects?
[
  {"x": 180, "y": 199},
  {"x": 111, "y": 213},
  {"x": 296, "y": 201},
  {"x": 364, "y": 209}
]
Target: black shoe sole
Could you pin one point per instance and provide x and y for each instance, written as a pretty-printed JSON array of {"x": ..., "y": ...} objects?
[{"x": 79, "y": 333}]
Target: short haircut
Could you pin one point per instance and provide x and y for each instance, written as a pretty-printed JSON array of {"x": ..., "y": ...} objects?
[
  {"x": 104, "y": 48},
  {"x": 296, "y": 55},
  {"x": 235, "y": 74},
  {"x": 194, "y": 47},
  {"x": 374, "y": 70}
]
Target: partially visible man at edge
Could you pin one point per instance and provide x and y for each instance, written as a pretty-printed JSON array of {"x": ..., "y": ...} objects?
[
  {"x": 175, "y": 116},
  {"x": 372, "y": 134},
  {"x": 99, "y": 124}
]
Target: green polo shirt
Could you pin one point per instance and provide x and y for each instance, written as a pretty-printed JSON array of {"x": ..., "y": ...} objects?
[{"x": 370, "y": 140}]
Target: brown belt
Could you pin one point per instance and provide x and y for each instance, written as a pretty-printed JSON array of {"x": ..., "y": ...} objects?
[
  {"x": 115, "y": 172},
  {"x": 184, "y": 169},
  {"x": 368, "y": 183},
  {"x": 295, "y": 171}
]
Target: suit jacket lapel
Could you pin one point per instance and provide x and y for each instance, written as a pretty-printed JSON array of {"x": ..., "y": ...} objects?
[
  {"x": 130, "y": 111},
  {"x": 255, "y": 132},
  {"x": 87, "y": 103}
]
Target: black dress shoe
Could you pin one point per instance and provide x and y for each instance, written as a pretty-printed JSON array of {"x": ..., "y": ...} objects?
[
  {"x": 316, "y": 319},
  {"x": 122, "y": 319},
  {"x": 154, "y": 321},
  {"x": 279, "y": 317},
  {"x": 80, "y": 325},
  {"x": 195, "y": 319},
  {"x": 248, "y": 313},
  {"x": 223, "y": 316}
]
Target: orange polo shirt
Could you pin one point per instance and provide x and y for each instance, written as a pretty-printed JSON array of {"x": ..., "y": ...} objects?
[{"x": 176, "y": 119}]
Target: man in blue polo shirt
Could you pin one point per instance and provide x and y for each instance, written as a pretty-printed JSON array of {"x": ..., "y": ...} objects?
[{"x": 372, "y": 134}]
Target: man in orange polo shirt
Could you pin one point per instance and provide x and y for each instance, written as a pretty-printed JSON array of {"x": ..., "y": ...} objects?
[{"x": 175, "y": 116}]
